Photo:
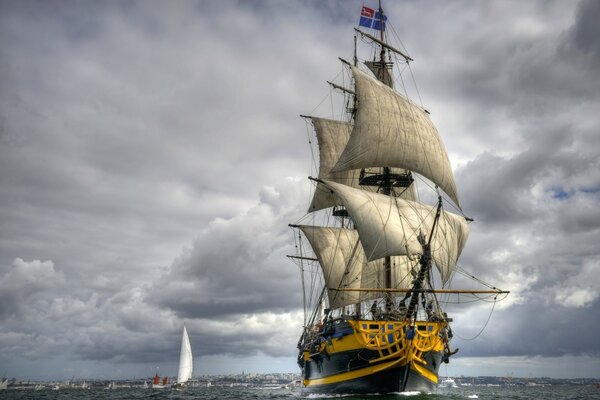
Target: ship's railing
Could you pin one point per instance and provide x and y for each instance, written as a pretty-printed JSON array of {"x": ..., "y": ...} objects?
[
  {"x": 399, "y": 339},
  {"x": 427, "y": 338},
  {"x": 388, "y": 338}
]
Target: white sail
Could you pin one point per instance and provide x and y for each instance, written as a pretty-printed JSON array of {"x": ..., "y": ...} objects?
[
  {"x": 391, "y": 131},
  {"x": 345, "y": 265},
  {"x": 332, "y": 137},
  {"x": 341, "y": 257},
  {"x": 390, "y": 226},
  {"x": 186, "y": 362}
]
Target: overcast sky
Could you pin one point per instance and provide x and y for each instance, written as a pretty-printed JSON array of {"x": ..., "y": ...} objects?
[{"x": 151, "y": 157}]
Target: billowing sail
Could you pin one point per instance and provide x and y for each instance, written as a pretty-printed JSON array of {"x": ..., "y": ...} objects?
[
  {"x": 345, "y": 265},
  {"x": 186, "y": 362},
  {"x": 341, "y": 257},
  {"x": 390, "y": 226},
  {"x": 391, "y": 131},
  {"x": 332, "y": 137}
]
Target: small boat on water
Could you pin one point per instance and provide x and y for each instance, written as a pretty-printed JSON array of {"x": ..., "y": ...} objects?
[
  {"x": 186, "y": 366},
  {"x": 447, "y": 382},
  {"x": 158, "y": 383}
]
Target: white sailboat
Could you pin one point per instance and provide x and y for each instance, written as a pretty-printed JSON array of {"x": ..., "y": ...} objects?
[{"x": 186, "y": 361}]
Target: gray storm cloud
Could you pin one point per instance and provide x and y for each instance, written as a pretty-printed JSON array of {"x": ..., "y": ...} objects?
[{"x": 151, "y": 157}]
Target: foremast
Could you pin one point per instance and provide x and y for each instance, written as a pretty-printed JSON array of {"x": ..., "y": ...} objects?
[{"x": 425, "y": 266}]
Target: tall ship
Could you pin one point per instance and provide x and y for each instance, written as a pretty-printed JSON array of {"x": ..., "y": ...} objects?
[{"x": 376, "y": 253}]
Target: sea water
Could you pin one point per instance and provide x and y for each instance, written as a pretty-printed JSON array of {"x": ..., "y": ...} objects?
[{"x": 551, "y": 392}]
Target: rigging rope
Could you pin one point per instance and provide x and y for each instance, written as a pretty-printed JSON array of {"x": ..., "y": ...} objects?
[
  {"x": 484, "y": 326},
  {"x": 463, "y": 272}
]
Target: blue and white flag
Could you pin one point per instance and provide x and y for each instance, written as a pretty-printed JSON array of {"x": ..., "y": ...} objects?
[{"x": 371, "y": 19}]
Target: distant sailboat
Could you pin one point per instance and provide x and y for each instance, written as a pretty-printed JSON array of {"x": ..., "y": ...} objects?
[
  {"x": 186, "y": 361},
  {"x": 158, "y": 384},
  {"x": 186, "y": 366},
  {"x": 3, "y": 384}
]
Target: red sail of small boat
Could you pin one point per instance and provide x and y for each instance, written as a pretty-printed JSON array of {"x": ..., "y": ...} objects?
[{"x": 156, "y": 379}]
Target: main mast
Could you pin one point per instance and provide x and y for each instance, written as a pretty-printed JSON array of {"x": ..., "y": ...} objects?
[
  {"x": 385, "y": 180},
  {"x": 386, "y": 187}
]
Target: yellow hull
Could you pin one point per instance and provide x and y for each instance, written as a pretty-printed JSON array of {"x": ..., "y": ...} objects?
[{"x": 364, "y": 354}]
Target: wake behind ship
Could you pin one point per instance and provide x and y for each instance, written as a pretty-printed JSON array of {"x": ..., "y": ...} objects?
[{"x": 372, "y": 272}]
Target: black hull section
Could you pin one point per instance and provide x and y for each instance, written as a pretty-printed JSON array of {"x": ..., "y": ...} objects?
[
  {"x": 389, "y": 381},
  {"x": 392, "y": 380}
]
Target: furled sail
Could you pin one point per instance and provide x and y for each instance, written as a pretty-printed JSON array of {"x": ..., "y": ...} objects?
[
  {"x": 186, "y": 362},
  {"x": 391, "y": 131},
  {"x": 332, "y": 137},
  {"x": 390, "y": 226},
  {"x": 341, "y": 257}
]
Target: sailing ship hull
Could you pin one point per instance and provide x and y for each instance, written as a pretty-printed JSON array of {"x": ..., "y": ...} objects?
[
  {"x": 373, "y": 360},
  {"x": 391, "y": 380}
]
